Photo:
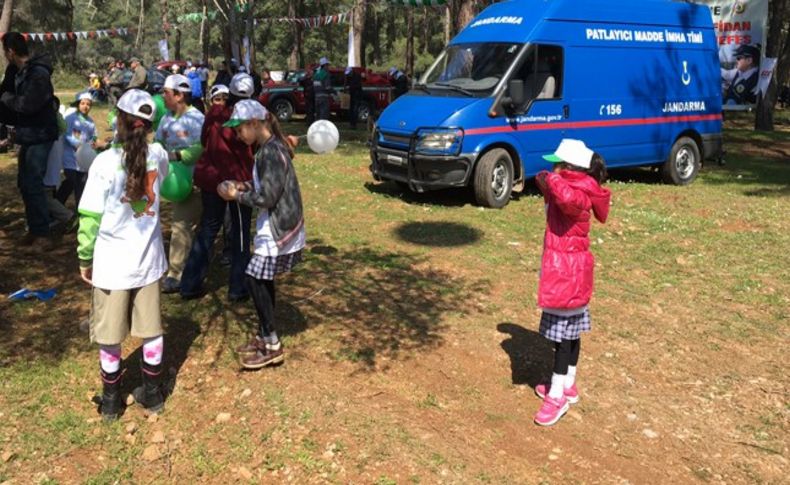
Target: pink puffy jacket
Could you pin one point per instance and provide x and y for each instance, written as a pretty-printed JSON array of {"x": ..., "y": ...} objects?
[{"x": 566, "y": 270}]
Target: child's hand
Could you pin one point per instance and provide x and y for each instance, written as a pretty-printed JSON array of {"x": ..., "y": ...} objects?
[
  {"x": 229, "y": 189},
  {"x": 87, "y": 275},
  {"x": 540, "y": 180},
  {"x": 292, "y": 140}
]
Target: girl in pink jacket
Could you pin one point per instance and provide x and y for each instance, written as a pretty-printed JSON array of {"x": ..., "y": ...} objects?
[{"x": 573, "y": 194}]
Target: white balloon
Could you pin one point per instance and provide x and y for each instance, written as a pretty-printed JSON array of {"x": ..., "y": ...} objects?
[
  {"x": 322, "y": 136},
  {"x": 85, "y": 155}
]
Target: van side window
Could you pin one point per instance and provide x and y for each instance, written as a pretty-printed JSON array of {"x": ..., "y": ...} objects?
[{"x": 542, "y": 73}]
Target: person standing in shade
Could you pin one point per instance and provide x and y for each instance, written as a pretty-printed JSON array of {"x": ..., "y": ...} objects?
[
  {"x": 354, "y": 87},
  {"x": 399, "y": 81},
  {"x": 306, "y": 83},
  {"x": 179, "y": 132},
  {"x": 80, "y": 129},
  {"x": 139, "y": 75},
  {"x": 225, "y": 157},
  {"x": 33, "y": 104},
  {"x": 114, "y": 81},
  {"x": 322, "y": 87}
]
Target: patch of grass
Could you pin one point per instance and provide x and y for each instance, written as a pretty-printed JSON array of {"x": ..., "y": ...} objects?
[{"x": 430, "y": 401}]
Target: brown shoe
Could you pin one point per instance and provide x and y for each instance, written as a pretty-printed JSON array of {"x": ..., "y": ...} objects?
[
  {"x": 251, "y": 347},
  {"x": 262, "y": 358}
]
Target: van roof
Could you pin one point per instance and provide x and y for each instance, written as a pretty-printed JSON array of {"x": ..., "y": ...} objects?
[{"x": 515, "y": 20}]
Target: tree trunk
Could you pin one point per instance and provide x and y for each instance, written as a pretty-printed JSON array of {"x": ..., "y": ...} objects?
[
  {"x": 466, "y": 12},
  {"x": 248, "y": 32},
  {"x": 410, "y": 43},
  {"x": 177, "y": 53},
  {"x": 425, "y": 38},
  {"x": 358, "y": 23},
  {"x": 165, "y": 25},
  {"x": 204, "y": 33},
  {"x": 448, "y": 24},
  {"x": 778, "y": 46},
  {"x": 234, "y": 36},
  {"x": 5, "y": 17},
  {"x": 376, "y": 38},
  {"x": 138, "y": 41},
  {"x": 295, "y": 58}
]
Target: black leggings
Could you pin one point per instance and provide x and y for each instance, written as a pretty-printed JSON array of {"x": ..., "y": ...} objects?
[
  {"x": 566, "y": 353},
  {"x": 262, "y": 292}
]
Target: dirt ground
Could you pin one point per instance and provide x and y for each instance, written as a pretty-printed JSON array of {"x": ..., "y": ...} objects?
[{"x": 412, "y": 350}]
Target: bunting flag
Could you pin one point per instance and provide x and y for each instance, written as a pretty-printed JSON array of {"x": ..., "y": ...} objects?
[
  {"x": 311, "y": 22},
  {"x": 419, "y": 3},
  {"x": 89, "y": 34}
]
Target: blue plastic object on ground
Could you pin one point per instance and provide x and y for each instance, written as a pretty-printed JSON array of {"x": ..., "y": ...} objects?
[{"x": 25, "y": 294}]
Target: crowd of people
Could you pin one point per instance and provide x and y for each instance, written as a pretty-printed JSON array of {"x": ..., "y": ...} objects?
[{"x": 235, "y": 160}]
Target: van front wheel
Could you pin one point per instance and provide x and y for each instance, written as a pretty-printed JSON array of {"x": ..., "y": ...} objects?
[
  {"x": 493, "y": 179},
  {"x": 683, "y": 164}
]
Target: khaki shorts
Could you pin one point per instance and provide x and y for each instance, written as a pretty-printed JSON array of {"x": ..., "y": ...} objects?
[{"x": 112, "y": 310}]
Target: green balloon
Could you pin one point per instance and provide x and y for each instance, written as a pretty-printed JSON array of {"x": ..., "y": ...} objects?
[
  {"x": 178, "y": 184},
  {"x": 111, "y": 115},
  {"x": 159, "y": 101}
]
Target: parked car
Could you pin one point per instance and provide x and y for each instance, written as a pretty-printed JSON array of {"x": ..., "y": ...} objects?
[{"x": 286, "y": 98}]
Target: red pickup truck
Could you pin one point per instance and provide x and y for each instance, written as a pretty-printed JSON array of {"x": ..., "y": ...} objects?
[{"x": 285, "y": 98}]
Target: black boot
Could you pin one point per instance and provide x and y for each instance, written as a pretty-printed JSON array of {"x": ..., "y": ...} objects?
[
  {"x": 150, "y": 395},
  {"x": 110, "y": 405}
]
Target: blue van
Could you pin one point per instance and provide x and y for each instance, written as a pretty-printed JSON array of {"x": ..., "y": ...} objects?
[{"x": 637, "y": 81}]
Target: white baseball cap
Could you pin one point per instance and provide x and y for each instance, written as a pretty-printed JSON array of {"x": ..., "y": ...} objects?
[
  {"x": 573, "y": 152},
  {"x": 218, "y": 89},
  {"x": 323, "y": 61},
  {"x": 246, "y": 110},
  {"x": 241, "y": 85},
  {"x": 177, "y": 82},
  {"x": 138, "y": 103}
]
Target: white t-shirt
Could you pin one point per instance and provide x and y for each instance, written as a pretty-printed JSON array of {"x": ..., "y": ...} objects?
[
  {"x": 129, "y": 252},
  {"x": 264, "y": 240}
]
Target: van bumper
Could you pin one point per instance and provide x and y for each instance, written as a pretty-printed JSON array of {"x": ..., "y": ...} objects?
[
  {"x": 712, "y": 146},
  {"x": 421, "y": 172}
]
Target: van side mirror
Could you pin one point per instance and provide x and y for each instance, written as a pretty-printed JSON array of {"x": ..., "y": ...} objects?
[{"x": 516, "y": 96}]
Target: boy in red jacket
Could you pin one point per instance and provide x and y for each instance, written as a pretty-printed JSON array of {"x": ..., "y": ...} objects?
[{"x": 572, "y": 193}]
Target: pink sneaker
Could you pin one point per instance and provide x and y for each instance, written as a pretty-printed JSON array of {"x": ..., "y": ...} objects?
[
  {"x": 551, "y": 411},
  {"x": 571, "y": 394}
]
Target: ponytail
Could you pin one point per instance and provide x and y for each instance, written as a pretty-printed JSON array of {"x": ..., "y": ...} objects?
[
  {"x": 277, "y": 132},
  {"x": 133, "y": 134},
  {"x": 597, "y": 169}
]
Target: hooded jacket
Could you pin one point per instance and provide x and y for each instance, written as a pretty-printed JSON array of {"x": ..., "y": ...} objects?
[
  {"x": 224, "y": 157},
  {"x": 566, "y": 270},
  {"x": 32, "y": 100}
]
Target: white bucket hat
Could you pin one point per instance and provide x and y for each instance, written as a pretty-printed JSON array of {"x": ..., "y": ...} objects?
[
  {"x": 135, "y": 102},
  {"x": 246, "y": 110},
  {"x": 323, "y": 61},
  {"x": 178, "y": 82},
  {"x": 573, "y": 152},
  {"x": 241, "y": 85}
]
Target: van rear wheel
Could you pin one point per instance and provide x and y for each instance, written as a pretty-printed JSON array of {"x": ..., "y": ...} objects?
[
  {"x": 683, "y": 164},
  {"x": 493, "y": 181},
  {"x": 283, "y": 109}
]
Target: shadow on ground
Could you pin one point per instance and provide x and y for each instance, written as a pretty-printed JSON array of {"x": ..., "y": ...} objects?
[
  {"x": 531, "y": 355},
  {"x": 438, "y": 234}
]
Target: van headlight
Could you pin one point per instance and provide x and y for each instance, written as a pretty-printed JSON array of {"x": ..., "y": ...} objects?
[{"x": 439, "y": 141}]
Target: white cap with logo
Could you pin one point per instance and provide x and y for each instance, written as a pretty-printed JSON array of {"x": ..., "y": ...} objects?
[
  {"x": 138, "y": 103},
  {"x": 242, "y": 85},
  {"x": 218, "y": 89},
  {"x": 178, "y": 82},
  {"x": 246, "y": 110}
]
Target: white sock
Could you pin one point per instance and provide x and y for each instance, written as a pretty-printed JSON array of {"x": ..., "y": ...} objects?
[
  {"x": 557, "y": 386},
  {"x": 570, "y": 379},
  {"x": 272, "y": 341}
]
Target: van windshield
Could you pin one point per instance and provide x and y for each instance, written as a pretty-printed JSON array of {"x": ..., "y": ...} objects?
[{"x": 471, "y": 69}]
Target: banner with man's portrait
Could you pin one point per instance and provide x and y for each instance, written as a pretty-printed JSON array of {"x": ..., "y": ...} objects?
[{"x": 741, "y": 29}]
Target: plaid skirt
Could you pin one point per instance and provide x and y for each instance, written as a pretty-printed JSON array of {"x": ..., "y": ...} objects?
[
  {"x": 266, "y": 267},
  {"x": 557, "y": 328}
]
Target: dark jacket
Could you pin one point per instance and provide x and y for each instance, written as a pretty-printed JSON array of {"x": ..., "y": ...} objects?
[
  {"x": 354, "y": 83},
  {"x": 223, "y": 77},
  {"x": 224, "y": 156},
  {"x": 322, "y": 83},
  {"x": 279, "y": 191},
  {"x": 32, "y": 102}
]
